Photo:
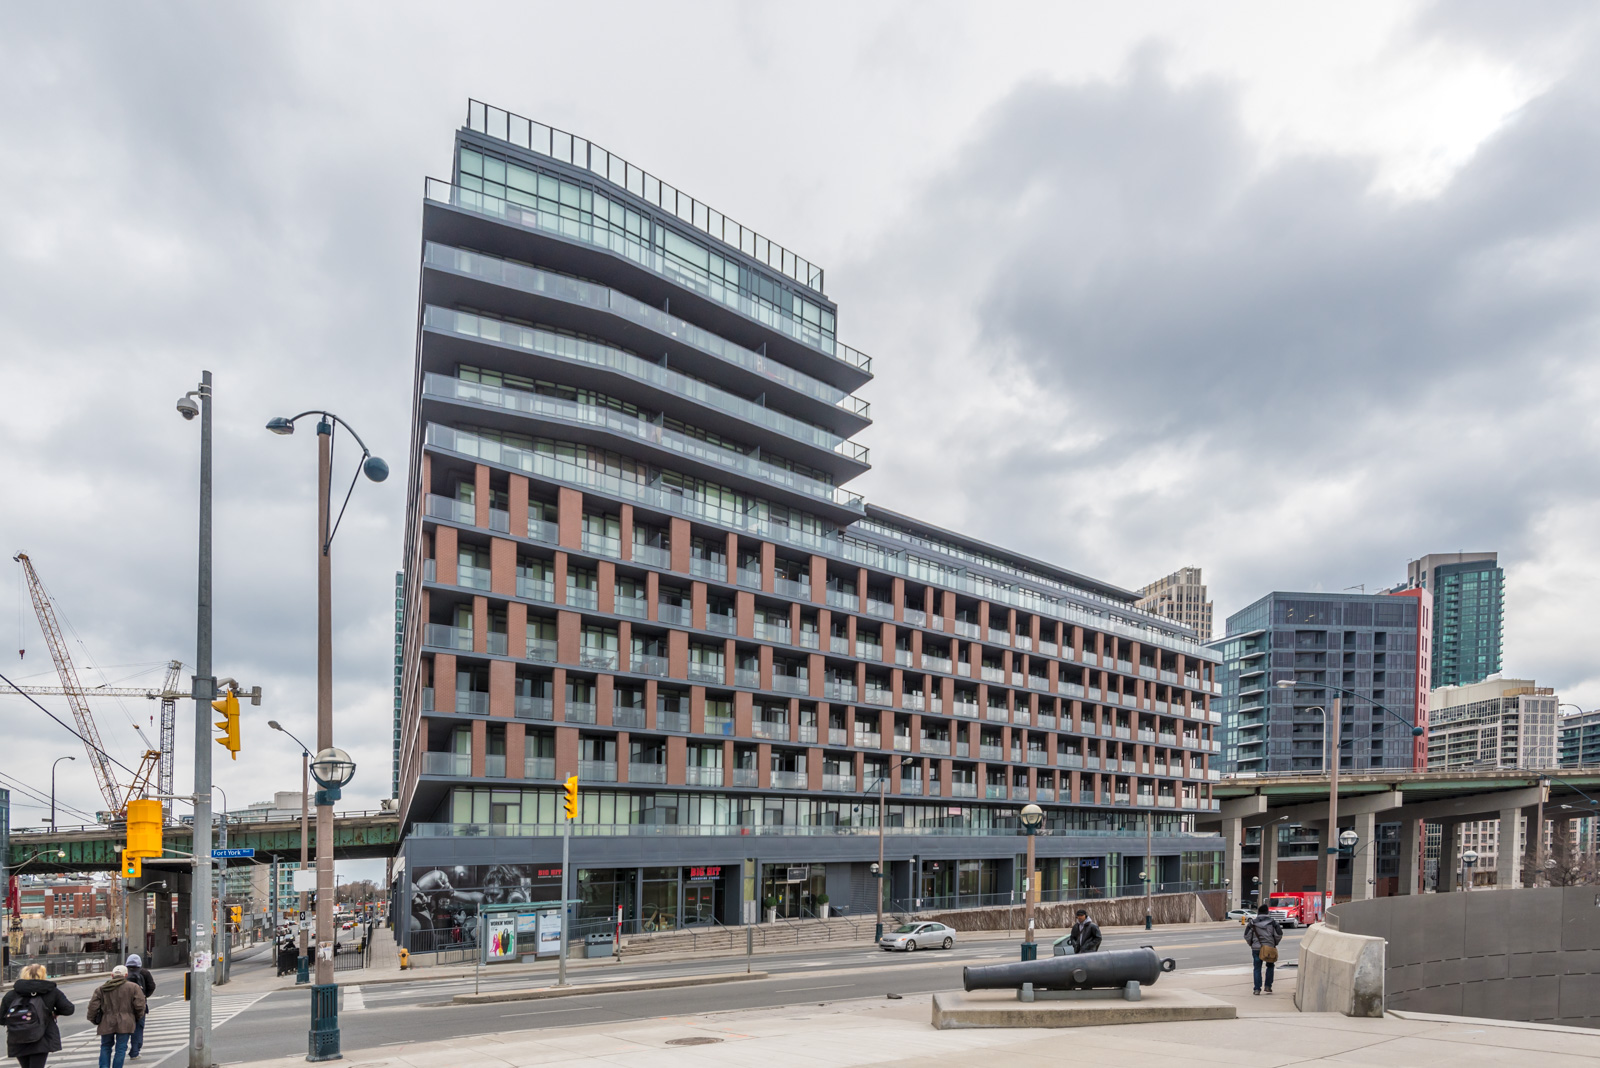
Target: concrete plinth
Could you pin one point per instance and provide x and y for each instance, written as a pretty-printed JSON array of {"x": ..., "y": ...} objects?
[{"x": 1000, "y": 1008}]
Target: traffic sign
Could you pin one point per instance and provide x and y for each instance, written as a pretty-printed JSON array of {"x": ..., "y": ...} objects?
[{"x": 232, "y": 853}]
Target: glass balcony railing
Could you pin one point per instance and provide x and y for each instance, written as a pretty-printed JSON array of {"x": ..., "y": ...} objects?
[
  {"x": 750, "y": 677},
  {"x": 910, "y": 787},
  {"x": 746, "y": 777},
  {"x": 772, "y": 730},
  {"x": 599, "y": 659},
  {"x": 789, "y": 780},
  {"x": 583, "y": 597},
  {"x": 447, "y": 763},
  {"x": 868, "y": 740},
  {"x": 796, "y": 684},
  {"x": 681, "y": 614},
  {"x": 597, "y": 771},
  {"x": 647, "y": 664},
  {"x": 536, "y": 589},
  {"x": 444, "y": 636},
  {"x": 579, "y": 711},
  {"x": 450, "y": 509},
  {"x": 715, "y": 674},
  {"x": 698, "y": 776},
  {"x": 633, "y": 607},
  {"x": 535, "y": 767},
  {"x": 772, "y": 632},
  {"x": 936, "y": 746},
  {"x": 648, "y": 773},
  {"x": 541, "y": 649},
  {"x": 494, "y": 766},
  {"x": 839, "y": 783},
  {"x": 535, "y": 707},
  {"x": 701, "y": 567},
  {"x": 495, "y": 643},
  {"x": 722, "y": 624},
  {"x": 472, "y": 702},
  {"x": 598, "y": 544},
  {"x": 963, "y": 789},
  {"x": 561, "y": 346},
  {"x": 721, "y": 726},
  {"x": 627, "y": 717},
  {"x": 800, "y": 589},
  {"x": 668, "y": 720},
  {"x": 652, "y": 556}
]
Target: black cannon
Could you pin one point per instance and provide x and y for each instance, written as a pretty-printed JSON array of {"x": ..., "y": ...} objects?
[{"x": 1085, "y": 971}]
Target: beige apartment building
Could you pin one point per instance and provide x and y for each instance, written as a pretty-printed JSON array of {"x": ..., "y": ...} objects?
[{"x": 1180, "y": 596}]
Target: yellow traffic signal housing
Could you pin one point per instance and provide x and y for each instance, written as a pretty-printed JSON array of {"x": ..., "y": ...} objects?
[
  {"x": 132, "y": 866},
  {"x": 229, "y": 723},
  {"x": 235, "y": 914},
  {"x": 144, "y": 829},
  {"x": 570, "y": 800}
]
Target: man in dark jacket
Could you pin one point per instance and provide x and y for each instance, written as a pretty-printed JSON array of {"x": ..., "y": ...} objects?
[
  {"x": 34, "y": 987},
  {"x": 1085, "y": 936},
  {"x": 115, "y": 1010},
  {"x": 138, "y": 973},
  {"x": 1263, "y": 930}
]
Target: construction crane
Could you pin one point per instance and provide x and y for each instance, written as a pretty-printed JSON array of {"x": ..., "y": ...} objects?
[{"x": 169, "y": 695}]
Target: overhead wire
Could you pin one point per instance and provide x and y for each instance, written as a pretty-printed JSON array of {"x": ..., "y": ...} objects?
[
  {"x": 41, "y": 796},
  {"x": 87, "y": 743}
]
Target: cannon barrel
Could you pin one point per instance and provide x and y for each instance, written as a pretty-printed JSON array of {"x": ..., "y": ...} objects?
[{"x": 1083, "y": 971}]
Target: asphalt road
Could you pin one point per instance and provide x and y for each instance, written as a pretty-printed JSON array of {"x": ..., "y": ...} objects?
[{"x": 396, "y": 1013}]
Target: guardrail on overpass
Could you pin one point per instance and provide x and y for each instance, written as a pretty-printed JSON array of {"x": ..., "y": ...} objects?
[{"x": 356, "y": 835}]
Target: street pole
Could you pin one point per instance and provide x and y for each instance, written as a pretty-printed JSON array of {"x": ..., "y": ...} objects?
[
  {"x": 566, "y": 842},
  {"x": 303, "y": 969},
  {"x": 224, "y": 950},
  {"x": 1330, "y": 840},
  {"x": 324, "y": 1037},
  {"x": 878, "y": 934},
  {"x": 1149, "y": 835},
  {"x": 203, "y": 688},
  {"x": 1029, "y": 889}
]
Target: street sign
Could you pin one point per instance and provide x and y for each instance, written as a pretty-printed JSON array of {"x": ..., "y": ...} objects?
[{"x": 221, "y": 854}]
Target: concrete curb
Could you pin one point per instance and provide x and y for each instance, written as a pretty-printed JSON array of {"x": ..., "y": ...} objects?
[{"x": 622, "y": 986}]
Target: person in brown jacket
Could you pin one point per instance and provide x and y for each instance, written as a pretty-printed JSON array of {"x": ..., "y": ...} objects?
[{"x": 116, "y": 1009}]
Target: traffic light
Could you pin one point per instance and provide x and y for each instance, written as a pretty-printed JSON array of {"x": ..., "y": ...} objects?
[
  {"x": 570, "y": 800},
  {"x": 235, "y": 914},
  {"x": 144, "y": 835},
  {"x": 229, "y": 724}
]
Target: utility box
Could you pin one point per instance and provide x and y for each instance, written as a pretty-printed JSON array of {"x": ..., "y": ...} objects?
[{"x": 598, "y": 945}]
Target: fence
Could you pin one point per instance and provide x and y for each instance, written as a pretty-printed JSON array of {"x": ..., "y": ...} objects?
[
  {"x": 62, "y": 965},
  {"x": 352, "y": 949}
]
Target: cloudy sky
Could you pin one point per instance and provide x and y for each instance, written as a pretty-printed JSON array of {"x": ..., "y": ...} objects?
[{"x": 1295, "y": 294}]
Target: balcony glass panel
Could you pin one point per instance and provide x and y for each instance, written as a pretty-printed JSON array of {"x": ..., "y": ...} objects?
[
  {"x": 626, "y": 717},
  {"x": 534, "y": 707},
  {"x": 839, "y": 783},
  {"x": 494, "y": 766},
  {"x": 597, "y": 771},
  {"x": 580, "y": 712},
  {"x": 770, "y": 730},
  {"x": 963, "y": 789},
  {"x": 541, "y": 649},
  {"x": 450, "y": 509},
  {"x": 697, "y": 776},
  {"x": 446, "y": 763},
  {"x": 791, "y": 684},
  {"x": 652, "y": 556},
  {"x": 672, "y": 721},
  {"x": 679, "y": 614},
  {"x": 472, "y": 702},
  {"x": 656, "y": 773},
  {"x": 722, "y": 726},
  {"x": 539, "y": 767},
  {"x": 746, "y": 777},
  {"x": 647, "y": 664},
  {"x": 599, "y": 659},
  {"x": 495, "y": 643},
  {"x": 712, "y": 673},
  {"x": 801, "y": 590},
  {"x": 444, "y": 636},
  {"x": 536, "y": 589},
  {"x": 789, "y": 780},
  {"x": 910, "y": 787},
  {"x": 633, "y": 607},
  {"x": 543, "y": 530}
]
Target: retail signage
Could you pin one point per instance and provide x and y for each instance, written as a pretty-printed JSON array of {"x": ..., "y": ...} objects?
[
  {"x": 710, "y": 873},
  {"x": 798, "y": 874}
]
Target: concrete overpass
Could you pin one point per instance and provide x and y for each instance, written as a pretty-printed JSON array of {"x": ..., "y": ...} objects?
[
  {"x": 356, "y": 835},
  {"x": 1410, "y": 798}
]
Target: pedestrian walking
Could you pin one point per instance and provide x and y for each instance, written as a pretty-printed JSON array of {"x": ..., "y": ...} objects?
[
  {"x": 115, "y": 1010},
  {"x": 30, "y": 1009},
  {"x": 138, "y": 973},
  {"x": 1262, "y": 934},
  {"x": 1085, "y": 935}
]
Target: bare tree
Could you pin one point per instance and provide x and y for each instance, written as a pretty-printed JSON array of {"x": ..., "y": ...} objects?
[{"x": 1566, "y": 863}]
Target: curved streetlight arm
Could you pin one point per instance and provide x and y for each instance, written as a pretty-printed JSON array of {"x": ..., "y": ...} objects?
[
  {"x": 286, "y": 425},
  {"x": 1571, "y": 787},
  {"x": 284, "y": 730},
  {"x": 291, "y": 420},
  {"x": 1416, "y": 731},
  {"x": 902, "y": 762}
]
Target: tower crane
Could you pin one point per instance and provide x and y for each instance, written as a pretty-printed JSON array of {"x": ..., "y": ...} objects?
[{"x": 156, "y": 763}]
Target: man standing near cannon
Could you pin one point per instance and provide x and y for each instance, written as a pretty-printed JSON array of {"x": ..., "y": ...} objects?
[{"x": 1085, "y": 936}]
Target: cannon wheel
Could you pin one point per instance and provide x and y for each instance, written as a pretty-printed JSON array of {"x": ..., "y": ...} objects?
[
  {"x": 948, "y": 942},
  {"x": 911, "y": 945}
]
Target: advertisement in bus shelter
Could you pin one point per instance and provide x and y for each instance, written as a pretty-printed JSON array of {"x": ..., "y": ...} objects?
[{"x": 500, "y": 938}]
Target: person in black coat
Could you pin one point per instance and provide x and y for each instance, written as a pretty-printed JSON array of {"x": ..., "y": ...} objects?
[
  {"x": 138, "y": 973},
  {"x": 1085, "y": 934},
  {"x": 33, "y": 984}
]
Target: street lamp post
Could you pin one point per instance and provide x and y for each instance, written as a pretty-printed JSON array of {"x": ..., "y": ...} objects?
[
  {"x": 198, "y": 402},
  {"x": 877, "y": 869},
  {"x": 1468, "y": 859},
  {"x": 1031, "y": 816},
  {"x": 1331, "y": 763},
  {"x": 303, "y": 965},
  {"x": 1149, "y": 832},
  {"x": 323, "y": 1040},
  {"x": 57, "y": 760}
]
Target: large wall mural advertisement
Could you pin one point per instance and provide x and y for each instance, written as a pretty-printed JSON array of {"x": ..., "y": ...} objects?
[{"x": 445, "y": 899}]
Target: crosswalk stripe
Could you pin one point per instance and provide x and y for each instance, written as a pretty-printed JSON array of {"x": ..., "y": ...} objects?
[
  {"x": 353, "y": 999},
  {"x": 166, "y": 1031}
]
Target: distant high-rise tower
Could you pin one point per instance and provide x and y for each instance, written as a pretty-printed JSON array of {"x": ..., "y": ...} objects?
[
  {"x": 1180, "y": 596},
  {"x": 1468, "y": 613}
]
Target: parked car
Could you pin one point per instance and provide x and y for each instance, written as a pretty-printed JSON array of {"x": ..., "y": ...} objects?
[
  {"x": 1242, "y": 915},
  {"x": 912, "y": 936}
]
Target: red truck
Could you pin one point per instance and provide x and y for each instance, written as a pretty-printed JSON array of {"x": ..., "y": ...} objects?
[{"x": 1296, "y": 909}]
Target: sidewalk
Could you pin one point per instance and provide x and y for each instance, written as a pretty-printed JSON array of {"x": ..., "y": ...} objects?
[{"x": 1268, "y": 1033}]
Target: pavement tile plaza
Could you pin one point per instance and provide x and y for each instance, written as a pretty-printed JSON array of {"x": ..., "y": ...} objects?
[{"x": 1268, "y": 1033}]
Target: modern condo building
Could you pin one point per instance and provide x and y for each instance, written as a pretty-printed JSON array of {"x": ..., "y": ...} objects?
[
  {"x": 1468, "y": 613},
  {"x": 1373, "y": 647},
  {"x": 630, "y": 557}
]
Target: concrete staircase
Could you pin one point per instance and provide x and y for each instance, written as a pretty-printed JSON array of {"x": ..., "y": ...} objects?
[{"x": 784, "y": 934}]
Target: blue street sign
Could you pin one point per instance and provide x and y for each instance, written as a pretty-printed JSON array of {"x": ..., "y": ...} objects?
[{"x": 221, "y": 854}]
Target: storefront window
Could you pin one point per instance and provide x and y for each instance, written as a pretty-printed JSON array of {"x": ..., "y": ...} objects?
[{"x": 658, "y": 901}]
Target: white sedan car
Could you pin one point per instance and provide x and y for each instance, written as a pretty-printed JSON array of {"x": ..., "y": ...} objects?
[{"x": 912, "y": 936}]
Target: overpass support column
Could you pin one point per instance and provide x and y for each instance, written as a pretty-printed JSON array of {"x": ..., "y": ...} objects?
[
  {"x": 137, "y": 923},
  {"x": 1533, "y": 842},
  {"x": 1449, "y": 857},
  {"x": 1364, "y": 865},
  {"x": 1232, "y": 848},
  {"x": 1411, "y": 840},
  {"x": 184, "y": 926},
  {"x": 1509, "y": 858},
  {"x": 1269, "y": 859},
  {"x": 162, "y": 952}
]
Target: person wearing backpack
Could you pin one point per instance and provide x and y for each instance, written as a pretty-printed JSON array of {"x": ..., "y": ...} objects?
[
  {"x": 29, "y": 1010},
  {"x": 115, "y": 1010},
  {"x": 138, "y": 973},
  {"x": 1262, "y": 934}
]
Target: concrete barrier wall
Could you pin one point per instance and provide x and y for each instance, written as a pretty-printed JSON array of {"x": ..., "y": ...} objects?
[
  {"x": 1340, "y": 972},
  {"x": 1107, "y": 912},
  {"x": 1530, "y": 955}
]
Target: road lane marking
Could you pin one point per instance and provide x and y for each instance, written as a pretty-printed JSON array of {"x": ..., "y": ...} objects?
[
  {"x": 800, "y": 989},
  {"x": 547, "y": 1012}
]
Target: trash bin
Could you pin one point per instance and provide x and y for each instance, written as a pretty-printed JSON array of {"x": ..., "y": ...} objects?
[{"x": 598, "y": 945}]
